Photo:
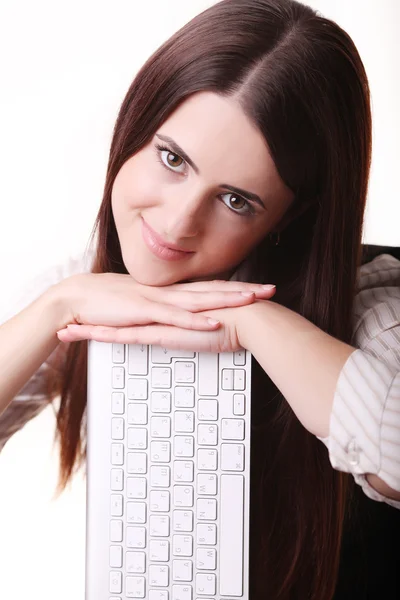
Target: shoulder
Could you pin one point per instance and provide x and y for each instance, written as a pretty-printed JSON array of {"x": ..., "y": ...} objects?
[
  {"x": 28, "y": 291},
  {"x": 377, "y": 303}
]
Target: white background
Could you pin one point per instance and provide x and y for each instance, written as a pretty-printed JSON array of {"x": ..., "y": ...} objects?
[{"x": 64, "y": 71}]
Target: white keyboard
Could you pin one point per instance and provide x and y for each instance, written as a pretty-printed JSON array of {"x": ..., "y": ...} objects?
[{"x": 168, "y": 473}]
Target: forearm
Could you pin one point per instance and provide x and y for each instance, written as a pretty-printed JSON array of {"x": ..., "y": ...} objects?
[
  {"x": 303, "y": 361},
  {"x": 26, "y": 341}
]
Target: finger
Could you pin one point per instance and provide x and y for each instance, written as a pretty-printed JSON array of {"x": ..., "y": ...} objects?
[
  {"x": 221, "y": 285},
  {"x": 200, "y": 301},
  {"x": 158, "y": 335}
]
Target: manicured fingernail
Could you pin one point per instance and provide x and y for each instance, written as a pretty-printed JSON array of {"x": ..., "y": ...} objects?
[
  {"x": 268, "y": 287},
  {"x": 213, "y": 321},
  {"x": 247, "y": 294}
]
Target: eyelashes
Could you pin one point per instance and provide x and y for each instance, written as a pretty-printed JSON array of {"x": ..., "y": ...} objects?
[{"x": 249, "y": 210}]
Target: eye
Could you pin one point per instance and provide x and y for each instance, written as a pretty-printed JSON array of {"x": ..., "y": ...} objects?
[
  {"x": 245, "y": 209},
  {"x": 170, "y": 164}
]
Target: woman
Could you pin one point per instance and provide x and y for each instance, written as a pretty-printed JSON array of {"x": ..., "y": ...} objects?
[{"x": 274, "y": 99}]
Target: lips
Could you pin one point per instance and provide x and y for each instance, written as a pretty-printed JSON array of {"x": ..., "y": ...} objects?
[{"x": 160, "y": 247}]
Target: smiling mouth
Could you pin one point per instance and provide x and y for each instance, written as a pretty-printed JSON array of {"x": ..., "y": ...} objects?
[{"x": 158, "y": 246}]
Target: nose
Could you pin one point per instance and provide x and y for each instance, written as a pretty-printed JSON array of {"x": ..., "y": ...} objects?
[{"x": 185, "y": 216}]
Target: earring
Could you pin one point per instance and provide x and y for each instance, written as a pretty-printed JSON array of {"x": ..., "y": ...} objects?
[{"x": 274, "y": 238}]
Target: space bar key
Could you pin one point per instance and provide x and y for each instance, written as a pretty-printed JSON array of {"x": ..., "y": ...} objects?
[{"x": 231, "y": 535}]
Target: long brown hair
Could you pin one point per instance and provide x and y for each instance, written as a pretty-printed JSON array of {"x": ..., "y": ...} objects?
[{"x": 300, "y": 79}]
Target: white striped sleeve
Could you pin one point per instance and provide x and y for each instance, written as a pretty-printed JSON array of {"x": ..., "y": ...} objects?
[{"x": 364, "y": 433}]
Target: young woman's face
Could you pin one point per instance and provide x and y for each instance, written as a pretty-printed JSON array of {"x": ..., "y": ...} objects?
[{"x": 195, "y": 207}]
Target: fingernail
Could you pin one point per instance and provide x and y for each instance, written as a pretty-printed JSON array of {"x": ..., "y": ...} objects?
[
  {"x": 268, "y": 287},
  {"x": 247, "y": 294},
  {"x": 213, "y": 321}
]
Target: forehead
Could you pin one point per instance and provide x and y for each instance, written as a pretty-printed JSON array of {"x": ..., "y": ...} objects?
[{"x": 223, "y": 142}]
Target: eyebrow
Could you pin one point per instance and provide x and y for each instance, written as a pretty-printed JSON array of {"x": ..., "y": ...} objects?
[{"x": 176, "y": 148}]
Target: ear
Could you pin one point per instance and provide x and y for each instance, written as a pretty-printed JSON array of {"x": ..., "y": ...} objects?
[{"x": 291, "y": 215}]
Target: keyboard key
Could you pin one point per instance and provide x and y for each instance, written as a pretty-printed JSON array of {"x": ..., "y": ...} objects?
[
  {"x": 184, "y": 397},
  {"x": 183, "y": 470},
  {"x": 232, "y": 429},
  {"x": 160, "y": 476},
  {"x": 117, "y": 480},
  {"x": 206, "y": 509},
  {"x": 239, "y": 379},
  {"x": 118, "y": 353},
  {"x": 137, "y": 413},
  {"x": 239, "y": 357},
  {"x": 165, "y": 355},
  {"x": 182, "y": 570},
  {"x": 206, "y": 533},
  {"x": 207, "y": 484},
  {"x": 115, "y": 582},
  {"x": 183, "y": 495},
  {"x": 138, "y": 359},
  {"x": 227, "y": 379},
  {"x": 184, "y": 421},
  {"x": 160, "y": 427},
  {"x": 161, "y": 377},
  {"x": 184, "y": 372},
  {"x": 184, "y": 446},
  {"x": 118, "y": 377},
  {"x": 137, "y": 389},
  {"x": 231, "y": 535},
  {"x": 136, "y": 487},
  {"x": 135, "y": 537},
  {"x": 116, "y": 557},
  {"x": 161, "y": 402},
  {"x": 238, "y": 404},
  {"x": 207, "y": 384},
  {"x": 160, "y": 451},
  {"x": 135, "y": 562},
  {"x": 207, "y": 410},
  {"x": 159, "y": 550},
  {"x": 159, "y": 500},
  {"x": 159, "y": 575},
  {"x": 183, "y": 520},
  {"x": 182, "y": 545},
  {"x": 158, "y": 595},
  {"x": 117, "y": 403},
  {"x": 206, "y": 583},
  {"x": 135, "y": 587},
  {"x": 137, "y": 462},
  {"x": 182, "y": 592},
  {"x": 207, "y": 434},
  {"x": 159, "y": 525},
  {"x": 207, "y": 459},
  {"x": 137, "y": 438},
  {"x": 232, "y": 457},
  {"x": 116, "y": 505},
  {"x": 136, "y": 512},
  {"x": 117, "y": 454},
  {"x": 117, "y": 428},
  {"x": 206, "y": 558},
  {"x": 115, "y": 530}
]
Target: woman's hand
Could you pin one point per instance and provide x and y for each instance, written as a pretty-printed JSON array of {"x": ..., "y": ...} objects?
[{"x": 110, "y": 307}]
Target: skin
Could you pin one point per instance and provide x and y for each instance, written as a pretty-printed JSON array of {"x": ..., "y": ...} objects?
[{"x": 190, "y": 209}]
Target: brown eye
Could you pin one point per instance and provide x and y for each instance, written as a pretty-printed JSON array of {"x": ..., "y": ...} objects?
[
  {"x": 174, "y": 163},
  {"x": 237, "y": 202}
]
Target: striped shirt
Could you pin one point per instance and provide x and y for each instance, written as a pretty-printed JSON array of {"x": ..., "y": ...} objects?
[{"x": 364, "y": 433}]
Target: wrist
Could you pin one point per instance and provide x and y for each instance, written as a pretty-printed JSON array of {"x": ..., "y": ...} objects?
[
  {"x": 246, "y": 315},
  {"x": 60, "y": 301}
]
